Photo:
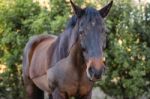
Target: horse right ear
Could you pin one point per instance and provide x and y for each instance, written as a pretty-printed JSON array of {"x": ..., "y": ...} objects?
[
  {"x": 77, "y": 10},
  {"x": 105, "y": 10}
]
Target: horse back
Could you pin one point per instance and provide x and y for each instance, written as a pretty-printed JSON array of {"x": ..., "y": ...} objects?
[{"x": 36, "y": 55}]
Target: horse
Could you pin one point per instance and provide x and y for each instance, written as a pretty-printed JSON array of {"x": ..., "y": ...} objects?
[{"x": 68, "y": 65}]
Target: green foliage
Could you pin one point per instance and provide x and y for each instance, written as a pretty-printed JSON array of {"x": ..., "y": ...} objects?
[
  {"x": 59, "y": 14},
  {"x": 18, "y": 21},
  {"x": 127, "y": 55}
]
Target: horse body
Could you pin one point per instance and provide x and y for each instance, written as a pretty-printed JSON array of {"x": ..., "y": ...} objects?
[
  {"x": 68, "y": 75},
  {"x": 35, "y": 63},
  {"x": 40, "y": 63}
]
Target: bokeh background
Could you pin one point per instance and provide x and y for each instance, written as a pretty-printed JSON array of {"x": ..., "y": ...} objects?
[{"x": 127, "y": 54}]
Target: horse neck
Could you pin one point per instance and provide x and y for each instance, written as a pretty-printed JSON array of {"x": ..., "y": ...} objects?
[
  {"x": 61, "y": 49},
  {"x": 76, "y": 56}
]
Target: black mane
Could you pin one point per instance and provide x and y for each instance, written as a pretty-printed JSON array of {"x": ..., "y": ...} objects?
[
  {"x": 90, "y": 13},
  {"x": 61, "y": 44},
  {"x": 72, "y": 22}
]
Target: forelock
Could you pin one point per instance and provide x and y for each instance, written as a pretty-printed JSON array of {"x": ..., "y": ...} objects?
[{"x": 91, "y": 13}]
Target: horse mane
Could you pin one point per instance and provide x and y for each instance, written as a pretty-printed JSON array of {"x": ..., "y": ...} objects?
[
  {"x": 72, "y": 22},
  {"x": 62, "y": 42}
]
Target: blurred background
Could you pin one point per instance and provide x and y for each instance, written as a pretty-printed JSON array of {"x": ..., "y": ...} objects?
[{"x": 127, "y": 54}]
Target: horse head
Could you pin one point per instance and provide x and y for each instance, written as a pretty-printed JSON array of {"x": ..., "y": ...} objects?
[{"x": 90, "y": 31}]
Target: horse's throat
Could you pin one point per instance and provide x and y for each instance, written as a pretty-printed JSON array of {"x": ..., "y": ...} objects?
[{"x": 77, "y": 58}]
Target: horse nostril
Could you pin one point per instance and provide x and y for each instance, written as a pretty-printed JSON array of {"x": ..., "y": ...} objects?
[
  {"x": 95, "y": 73},
  {"x": 91, "y": 71}
]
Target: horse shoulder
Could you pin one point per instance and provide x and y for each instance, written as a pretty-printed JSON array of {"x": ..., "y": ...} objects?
[{"x": 40, "y": 59}]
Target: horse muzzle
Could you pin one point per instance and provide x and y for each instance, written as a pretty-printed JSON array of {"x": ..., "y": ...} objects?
[
  {"x": 95, "y": 74},
  {"x": 95, "y": 69}
]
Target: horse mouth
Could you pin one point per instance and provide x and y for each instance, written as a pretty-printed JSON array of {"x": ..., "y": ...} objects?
[{"x": 94, "y": 79}]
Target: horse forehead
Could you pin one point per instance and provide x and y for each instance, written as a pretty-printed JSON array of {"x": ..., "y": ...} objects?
[
  {"x": 92, "y": 21},
  {"x": 91, "y": 11}
]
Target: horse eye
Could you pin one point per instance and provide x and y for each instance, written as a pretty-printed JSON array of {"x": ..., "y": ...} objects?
[
  {"x": 81, "y": 33},
  {"x": 104, "y": 46},
  {"x": 83, "y": 49}
]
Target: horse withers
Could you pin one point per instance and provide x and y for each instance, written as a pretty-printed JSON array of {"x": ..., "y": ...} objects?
[{"x": 67, "y": 65}]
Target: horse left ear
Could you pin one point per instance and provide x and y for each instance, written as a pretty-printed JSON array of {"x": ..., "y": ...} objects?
[
  {"x": 104, "y": 11},
  {"x": 77, "y": 10}
]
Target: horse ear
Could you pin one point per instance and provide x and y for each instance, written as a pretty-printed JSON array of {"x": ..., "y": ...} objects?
[
  {"x": 77, "y": 10},
  {"x": 104, "y": 11}
]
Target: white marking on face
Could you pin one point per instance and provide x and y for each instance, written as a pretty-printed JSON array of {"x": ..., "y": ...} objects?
[
  {"x": 87, "y": 70},
  {"x": 93, "y": 23}
]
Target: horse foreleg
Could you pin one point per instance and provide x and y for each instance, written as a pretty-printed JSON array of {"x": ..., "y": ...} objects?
[
  {"x": 50, "y": 97},
  {"x": 32, "y": 91},
  {"x": 88, "y": 96},
  {"x": 58, "y": 95}
]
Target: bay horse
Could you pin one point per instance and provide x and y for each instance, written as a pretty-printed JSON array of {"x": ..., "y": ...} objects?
[{"x": 67, "y": 65}]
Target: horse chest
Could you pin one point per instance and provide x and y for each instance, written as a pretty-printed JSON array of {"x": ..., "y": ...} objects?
[
  {"x": 68, "y": 79},
  {"x": 75, "y": 87},
  {"x": 85, "y": 86}
]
